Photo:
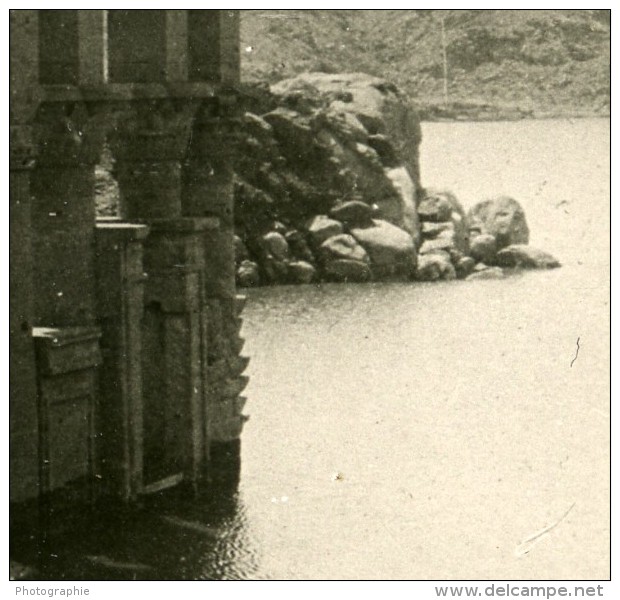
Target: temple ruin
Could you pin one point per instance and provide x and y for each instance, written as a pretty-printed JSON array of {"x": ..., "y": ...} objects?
[{"x": 125, "y": 359}]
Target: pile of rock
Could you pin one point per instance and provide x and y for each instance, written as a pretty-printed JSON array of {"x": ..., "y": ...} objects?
[
  {"x": 347, "y": 244},
  {"x": 481, "y": 244},
  {"x": 327, "y": 183},
  {"x": 352, "y": 244},
  {"x": 445, "y": 238}
]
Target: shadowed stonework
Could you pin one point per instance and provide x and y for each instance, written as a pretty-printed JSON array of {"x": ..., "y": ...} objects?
[{"x": 125, "y": 347}]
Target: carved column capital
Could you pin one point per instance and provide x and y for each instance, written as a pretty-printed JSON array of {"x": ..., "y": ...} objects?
[{"x": 149, "y": 142}]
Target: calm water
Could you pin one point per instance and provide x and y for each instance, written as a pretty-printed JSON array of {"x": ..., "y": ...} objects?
[
  {"x": 426, "y": 431},
  {"x": 450, "y": 411}
]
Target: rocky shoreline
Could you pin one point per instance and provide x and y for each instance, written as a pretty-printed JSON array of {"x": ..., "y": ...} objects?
[
  {"x": 349, "y": 245},
  {"x": 329, "y": 189}
]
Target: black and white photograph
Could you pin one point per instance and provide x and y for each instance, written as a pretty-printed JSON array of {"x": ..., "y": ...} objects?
[{"x": 309, "y": 294}]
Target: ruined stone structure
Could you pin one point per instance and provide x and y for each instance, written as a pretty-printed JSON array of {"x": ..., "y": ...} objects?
[{"x": 125, "y": 368}]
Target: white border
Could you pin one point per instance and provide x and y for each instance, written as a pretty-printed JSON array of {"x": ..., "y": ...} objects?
[{"x": 298, "y": 590}]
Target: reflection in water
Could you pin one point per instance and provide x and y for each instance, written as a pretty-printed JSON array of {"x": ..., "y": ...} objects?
[{"x": 173, "y": 535}]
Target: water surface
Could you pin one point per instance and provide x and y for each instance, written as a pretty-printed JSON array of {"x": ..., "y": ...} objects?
[{"x": 426, "y": 430}]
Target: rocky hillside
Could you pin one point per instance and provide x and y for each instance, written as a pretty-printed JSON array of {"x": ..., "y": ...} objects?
[{"x": 501, "y": 63}]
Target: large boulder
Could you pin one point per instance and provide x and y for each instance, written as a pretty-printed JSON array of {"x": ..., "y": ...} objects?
[
  {"x": 352, "y": 212},
  {"x": 486, "y": 273},
  {"x": 501, "y": 217},
  {"x": 464, "y": 266},
  {"x": 342, "y": 246},
  {"x": 447, "y": 240},
  {"x": 435, "y": 207},
  {"x": 525, "y": 257},
  {"x": 275, "y": 245},
  {"x": 321, "y": 228},
  {"x": 369, "y": 128},
  {"x": 405, "y": 213},
  {"x": 374, "y": 102},
  {"x": 292, "y": 129},
  {"x": 274, "y": 270},
  {"x": 300, "y": 272},
  {"x": 390, "y": 248},
  {"x": 431, "y": 230},
  {"x": 299, "y": 246}
]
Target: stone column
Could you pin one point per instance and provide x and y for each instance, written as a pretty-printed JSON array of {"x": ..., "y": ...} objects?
[
  {"x": 24, "y": 464},
  {"x": 174, "y": 353},
  {"x": 23, "y": 416},
  {"x": 63, "y": 215},
  {"x": 149, "y": 147},
  {"x": 208, "y": 190},
  {"x": 213, "y": 46},
  {"x": 120, "y": 310},
  {"x": 66, "y": 336}
]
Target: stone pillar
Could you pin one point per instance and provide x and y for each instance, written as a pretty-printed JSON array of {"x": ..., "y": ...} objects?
[
  {"x": 63, "y": 216},
  {"x": 176, "y": 46},
  {"x": 174, "y": 350},
  {"x": 120, "y": 311},
  {"x": 72, "y": 47},
  {"x": 24, "y": 463},
  {"x": 92, "y": 54},
  {"x": 208, "y": 190},
  {"x": 136, "y": 46},
  {"x": 149, "y": 148},
  {"x": 58, "y": 47},
  {"x": 66, "y": 336},
  {"x": 230, "y": 47}
]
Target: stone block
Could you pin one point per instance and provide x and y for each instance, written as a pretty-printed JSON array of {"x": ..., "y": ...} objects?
[
  {"x": 137, "y": 45},
  {"x": 66, "y": 365}
]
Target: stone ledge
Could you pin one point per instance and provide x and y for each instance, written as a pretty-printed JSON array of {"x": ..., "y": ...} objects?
[
  {"x": 65, "y": 349},
  {"x": 119, "y": 92},
  {"x": 121, "y": 230}
]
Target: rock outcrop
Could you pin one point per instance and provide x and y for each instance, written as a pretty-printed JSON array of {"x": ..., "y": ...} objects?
[
  {"x": 391, "y": 249},
  {"x": 328, "y": 188},
  {"x": 333, "y": 159}
]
